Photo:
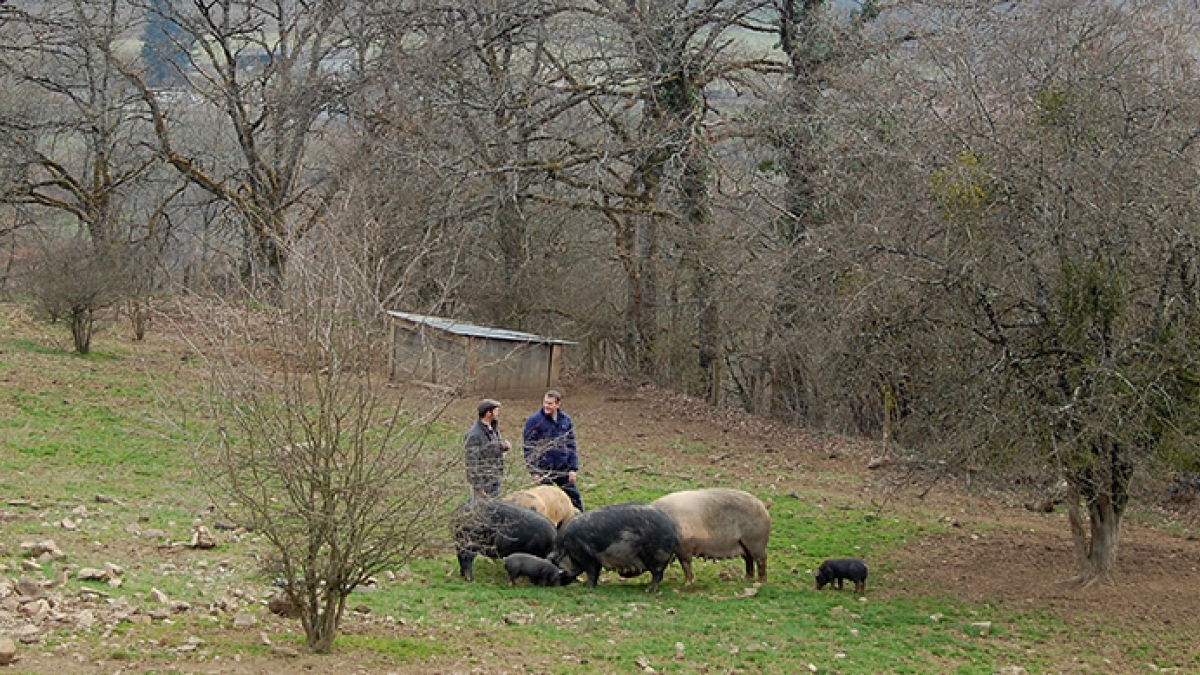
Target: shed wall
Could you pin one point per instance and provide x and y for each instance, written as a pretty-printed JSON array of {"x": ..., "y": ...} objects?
[{"x": 427, "y": 354}]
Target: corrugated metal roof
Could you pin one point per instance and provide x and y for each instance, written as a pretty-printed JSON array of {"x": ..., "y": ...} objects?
[{"x": 471, "y": 330}]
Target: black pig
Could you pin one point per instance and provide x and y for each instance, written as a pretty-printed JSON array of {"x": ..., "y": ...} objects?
[
  {"x": 539, "y": 571},
  {"x": 835, "y": 570},
  {"x": 497, "y": 529},
  {"x": 628, "y": 538}
]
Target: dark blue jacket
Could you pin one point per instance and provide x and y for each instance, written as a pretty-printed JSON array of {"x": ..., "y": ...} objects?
[{"x": 550, "y": 444}]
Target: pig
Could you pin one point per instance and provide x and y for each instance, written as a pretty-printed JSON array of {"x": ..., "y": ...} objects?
[
  {"x": 539, "y": 571},
  {"x": 628, "y": 538},
  {"x": 835, "y": 570},
  {"x": 717, "y": 524},
  {"x": 548, "y": 500},
  {"x": 497, "y": 529}
]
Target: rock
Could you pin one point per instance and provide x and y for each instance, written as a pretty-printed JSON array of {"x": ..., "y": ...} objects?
[
  {"x": 152, "y": 534},
  {"x": 984, "y": 627},
  {"x": 105, "y": 499},
  {"x": 26, "y": 634},
  {"x": 68, "y": 525},
  {"x": 36, "y": 609},
  {"x": 518, "y": 619},
  {"x": 30, "y": 565},
  {"x": 8, "y": 651},
  {"x": 244, "y": 620},
  {"x": 281, "y": 605},
  {"x": 30, "y": 588},
  {"x": 114, "y": 570},
  {"x": 85, "y": 619},
  {"x": 264, "y": 639},
  {"x": 158, "y": 596},
  {"x": 38, "y": 549},
  {"x": 286, "y": 651},
  {"x": 202, "y": 538},
  {"x": 91, "y": 574}
]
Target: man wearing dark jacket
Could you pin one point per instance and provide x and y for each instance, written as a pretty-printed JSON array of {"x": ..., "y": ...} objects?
[
  {"x": 550, "y": 452},
  {"x": 485, "y": 451}
]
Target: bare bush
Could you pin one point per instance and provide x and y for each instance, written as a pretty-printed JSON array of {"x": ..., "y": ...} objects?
[
  {"x": 72, "y": 281},
  {"x": 313, "y": 451}
]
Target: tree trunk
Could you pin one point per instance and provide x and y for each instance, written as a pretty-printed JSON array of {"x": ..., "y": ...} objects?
[
  {"x": 321, "y": 620},
  {"x": 1103, "y": 489},
  {"x": 264, "y": 265},
  {"x": 1095, "y": 545},
  {"x": 83, "y": 321}
]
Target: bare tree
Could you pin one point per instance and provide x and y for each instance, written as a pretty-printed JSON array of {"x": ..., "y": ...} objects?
[
  {"x": 277, "y": 74},
  {"x": 335, "y": 470},
  {"x": 1039, "y": 306}
]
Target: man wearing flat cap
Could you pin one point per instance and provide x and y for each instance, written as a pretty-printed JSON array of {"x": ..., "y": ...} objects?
[{"x": 485, "y": 451}]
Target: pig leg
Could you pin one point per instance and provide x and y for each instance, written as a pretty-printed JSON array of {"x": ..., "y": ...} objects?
[
  {"x": 466, "y": 561},
  {"x": 860, "y": 586},
  {"x": 655, "y": 577},
  {"x": 686, "y": 563},
  {"x": 593, "y": 574}
]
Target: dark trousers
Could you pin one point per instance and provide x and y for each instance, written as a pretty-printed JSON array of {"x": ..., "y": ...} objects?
[{"x": 564, "y": 482}]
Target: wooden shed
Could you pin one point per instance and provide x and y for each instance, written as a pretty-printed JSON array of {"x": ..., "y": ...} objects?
[{"x": 472, "y": 358}]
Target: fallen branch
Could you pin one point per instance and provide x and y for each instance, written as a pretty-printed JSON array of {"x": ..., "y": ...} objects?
[{"x": 651, "y": 472}]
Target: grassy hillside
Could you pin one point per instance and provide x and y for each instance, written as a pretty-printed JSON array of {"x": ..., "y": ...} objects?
[{"x": 95, "y": 455}]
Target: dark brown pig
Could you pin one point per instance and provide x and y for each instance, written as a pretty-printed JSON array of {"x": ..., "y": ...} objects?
[
  {"x": 719, "y": 523},
  {"x": 497, "y": 529},
  {"x": 628, "y": 538}
]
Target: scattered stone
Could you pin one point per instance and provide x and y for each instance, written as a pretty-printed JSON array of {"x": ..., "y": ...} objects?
[
  {"x": 286, "y": 651},
  {"x": 264, "y": 639},
  {"x": 26, "y": 634},
  {"x": 29, "y": 588},
  {"x": 984, "y": 627},
  {"x": 158, "y": 596},
  {"x": 159, "y": 613},
  {"x": 1011, "y": 670},
  {"x": 30, "y": 565},
  {"x": 38, "y": 549},
  {"x": 202, "y": 538},
  {"x": 936, "y": 617},
  {"x": 244, "y": 620},
  {"x": 114, "y": 570},
  {"x": 36, "y": 609},
  {"x": 105, "y": 499},
  {"x": 68, "y": 525},
  {"x": 152, "y": 534},
  {"x": 8, "y": 651},
  {"x": 85, "y": 619},
  {"x": 518, "y": 619},
  {"x": 281, "y": 605},
  {"x": 644, "y": 664},
  {"x": 748, "y": 593},
  {"x": 92, "y": 574}
]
